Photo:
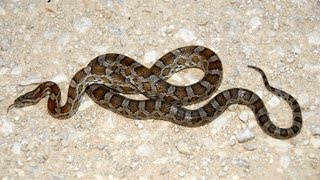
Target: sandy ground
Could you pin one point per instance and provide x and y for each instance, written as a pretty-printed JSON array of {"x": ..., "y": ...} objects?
[{"x": 51, "y": 41}]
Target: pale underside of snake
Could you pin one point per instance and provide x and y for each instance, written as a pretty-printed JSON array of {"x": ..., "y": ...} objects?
[{"x": 107, "y": 77}]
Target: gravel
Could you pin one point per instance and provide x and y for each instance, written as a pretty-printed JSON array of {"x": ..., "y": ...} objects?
[{"x": 52, "y": 41}]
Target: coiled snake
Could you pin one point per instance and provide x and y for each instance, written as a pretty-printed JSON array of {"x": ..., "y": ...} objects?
[{"x": 108, "y": 76}]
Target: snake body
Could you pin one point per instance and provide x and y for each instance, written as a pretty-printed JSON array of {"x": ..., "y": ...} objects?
[{"x": 109, "y": 76}]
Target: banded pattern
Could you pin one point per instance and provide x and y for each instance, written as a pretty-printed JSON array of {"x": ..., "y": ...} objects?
[{"x": 108, "y": 76}]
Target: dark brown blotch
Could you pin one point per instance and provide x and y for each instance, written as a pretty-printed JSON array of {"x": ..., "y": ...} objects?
[
  {"x": 142, "y": 71},
  {"x": 215, "y": 65},
  {"x": 257, "y": 105},
  {"x": 99, "y": 93},
  {"x": 167, "y": 59},
  {"x": 165, "y": 108},
  {"x": 72, "y": 93},
  {"x": 155, "y": 70},
  {"x": 116, "y": 100},
  {"x": 127, "y": 61},
  {"x": 212, "y": 78},
  {"x": 272, "y": 128},
  {"x": 283, "y": 132},
  {"x": 298, "y": 119},
  {"x": 66, "y": 108},
  {"x": 150, "y": 104},
  {"x": 198, "y": 89},
  {"x": 180, "y": 92},
  {"x": 210, "y": 110},
  {"x": 263, "y": 119},
  {"x": 295, "y": 129},
  {"x": 99, "y": 70},
  {"x": 206, "y": 53},
  {"x": 221, "y": 100},
  {"x": 180, "y": 115},
  {"x": 133, "y": 106},
  {"x": 79, "y": 76}
]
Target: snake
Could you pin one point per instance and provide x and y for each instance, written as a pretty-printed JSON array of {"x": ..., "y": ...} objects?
[{"x": 108, "y": 78}]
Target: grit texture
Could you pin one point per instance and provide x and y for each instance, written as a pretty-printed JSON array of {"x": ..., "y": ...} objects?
[{"x": 42, "y": 40}]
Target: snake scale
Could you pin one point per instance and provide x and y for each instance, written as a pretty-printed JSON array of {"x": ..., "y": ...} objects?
[{"x": 107, "y": 77}]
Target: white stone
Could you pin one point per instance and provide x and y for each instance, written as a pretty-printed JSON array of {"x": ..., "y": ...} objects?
[
  {"x": 315, "y": 142},
  {"x": 314, "y": 38},
  {"x": 63, "y": 39},
  {"x": 273, "y": 102},
  {"x": 82, "y": 24},
  {"x": 86, "y": 104},
  {"x": 61, "y": 77},
  {"x": 50, "y": 35},
  {"x": 254, "y": 23},
  {"x": 6, "y": 126},
  {"x": 144, "y": 150},
  {"x": 110, "y": 122},
  {"x": 278, "y": 145},
  {"x": 250, "y": 146},
  {"x": 151, "y": 56},
  {"x": 240, "y": 162},
  {"x": 186, "y": 35},
  {"x": 16, "y": 148},
  {"x": 30, "y": 80},
  {"x": 315, "y": 130},
  {"x": 2, "y": 11},
  {"x": 4, "y": 70},
  {"x": 69, "y": 158},
  {"x": 101, "y": 49},
  {"x": 218, "y": 124},
  {"x": 16, "y": 70},
  {"x": 244, "y": 116},
  {"x": 284, "y": 161},
  {"x": 244, "y": 135},
  {"x": 5, "y": 44},
  {"x": 183, "y": 147}
]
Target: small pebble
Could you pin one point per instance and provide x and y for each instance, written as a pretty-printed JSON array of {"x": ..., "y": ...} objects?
[
  {"x": 240, "y": 163},
  {"x": 5, "y": 44},
  {"x": 284, "y": 161},
  {"x": 274, "y": 102},
  {"x": 250, "y": 146},
  {"x": 183, "y": 147},
  {"x": 101, "y": 146},
  {"x": 244, "y": 116},
  {"x": 6, "y": 127},
  {"x": 61, "y": 77},
  {"x": 314, "y": 38},
  {"x": 254, "y": 23},
  {"x": 315, "y": 130},
  {"x": 69, "y": 158},
  {"x": 144, "y": 150},
  {"x": 244, "y": 135},
  {"x": 186, "y": 35},
  {"x": 82, "y": 24},
  {"x": 86, "y": 104},
  {"x": 151, "y": 56},
  {"x": 16, "y": 70},
  {"x": 181, "y": 174},
  {"x": 2, "y": 11},
  {"x": 16, "y": 148},
  {"x": 30, "y": 80},
  {"x": 63, "y": 39},
  {"x": 219, "y": 123},
  {"x": 315, "y": 143}
]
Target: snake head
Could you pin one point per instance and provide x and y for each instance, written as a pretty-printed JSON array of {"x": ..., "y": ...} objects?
[{"x": 23, "y": 101}]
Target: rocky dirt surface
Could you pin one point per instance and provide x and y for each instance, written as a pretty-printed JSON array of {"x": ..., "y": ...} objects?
[{"x": 42, "y": 40}]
